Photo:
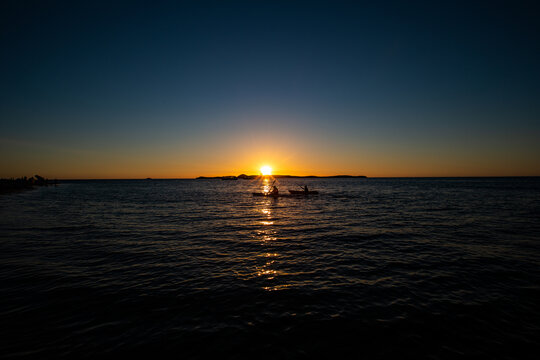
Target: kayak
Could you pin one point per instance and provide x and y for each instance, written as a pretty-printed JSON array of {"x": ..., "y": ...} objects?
[
  {"x": 275, "y": 196},
  {"x": 302, "y": 192}
]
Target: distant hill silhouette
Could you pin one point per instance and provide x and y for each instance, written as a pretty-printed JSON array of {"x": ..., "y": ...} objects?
[{"x": 249, "y": 177}]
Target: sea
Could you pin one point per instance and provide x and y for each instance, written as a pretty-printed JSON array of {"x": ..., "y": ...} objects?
[{"x": 423, "y": 268}]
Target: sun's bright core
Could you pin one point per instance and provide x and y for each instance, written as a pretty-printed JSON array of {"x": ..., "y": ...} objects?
[{"x": 266, "y": 170}]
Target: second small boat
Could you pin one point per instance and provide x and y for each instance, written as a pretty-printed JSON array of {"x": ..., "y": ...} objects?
[{"x": 302, "y": 192}]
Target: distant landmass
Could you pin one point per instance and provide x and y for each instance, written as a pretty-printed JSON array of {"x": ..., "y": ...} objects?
[
  {"x": 24, "y": 183},
  {"x": 249, "y": 177}
]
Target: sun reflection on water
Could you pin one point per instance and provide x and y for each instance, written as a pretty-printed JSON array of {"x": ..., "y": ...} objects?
[{"x": 266, "y": 235}]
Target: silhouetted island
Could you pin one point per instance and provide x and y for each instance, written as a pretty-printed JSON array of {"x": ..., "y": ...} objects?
[{"x": 249, "y": 177}]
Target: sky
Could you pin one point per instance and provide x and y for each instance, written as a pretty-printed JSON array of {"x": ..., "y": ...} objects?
[{"x": 136, "y": 89}]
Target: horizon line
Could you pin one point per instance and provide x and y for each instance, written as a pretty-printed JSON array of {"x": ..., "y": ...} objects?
[{"x": 312, "y": 177}]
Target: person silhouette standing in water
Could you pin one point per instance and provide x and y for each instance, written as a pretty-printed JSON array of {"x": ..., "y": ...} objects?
[{"x": 275, "y": 190}]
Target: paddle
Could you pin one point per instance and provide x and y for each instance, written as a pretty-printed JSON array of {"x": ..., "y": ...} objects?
[{"x": 271, "y": 186}]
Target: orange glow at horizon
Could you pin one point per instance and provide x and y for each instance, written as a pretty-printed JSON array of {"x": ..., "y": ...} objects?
[{"x": 289, "y": 153}]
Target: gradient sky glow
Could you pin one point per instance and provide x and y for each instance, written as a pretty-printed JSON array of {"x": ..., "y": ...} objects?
[{"x": 135, "y": 89}]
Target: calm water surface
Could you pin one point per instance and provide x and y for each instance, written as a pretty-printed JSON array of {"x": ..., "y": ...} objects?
[{"x": 423, "y": 268}]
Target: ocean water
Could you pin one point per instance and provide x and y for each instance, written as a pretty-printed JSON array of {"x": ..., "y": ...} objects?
[{"x": 373, "y": 268}]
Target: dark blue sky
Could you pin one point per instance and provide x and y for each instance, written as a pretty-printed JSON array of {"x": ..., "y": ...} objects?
[{"x": 122, "y": 89}]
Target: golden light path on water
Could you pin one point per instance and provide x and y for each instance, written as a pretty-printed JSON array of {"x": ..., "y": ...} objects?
[{"x": 267, "y": 238}]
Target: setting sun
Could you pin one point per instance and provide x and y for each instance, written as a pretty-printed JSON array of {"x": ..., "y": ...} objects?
[{"x": 266, "y": 170}]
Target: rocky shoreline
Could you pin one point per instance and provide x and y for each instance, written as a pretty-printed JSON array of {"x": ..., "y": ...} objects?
[{"x": 13, "y": 185}]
